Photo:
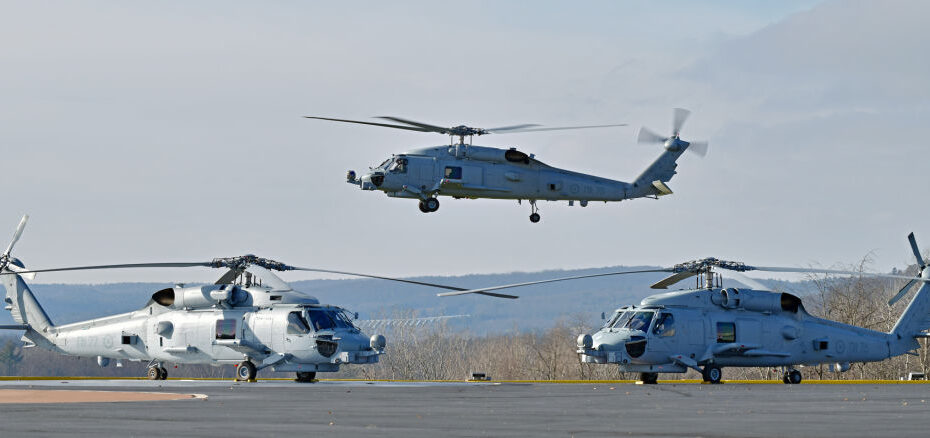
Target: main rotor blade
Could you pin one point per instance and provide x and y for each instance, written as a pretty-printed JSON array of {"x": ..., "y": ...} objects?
[
  {"x": 561, "y": 128},
  {"x": 920, "y": 258},
  {"x": 386, "y": 125},
  {"x": 681, "y": 115},
  {"x": 833, "y": 271},
  {"x": 698, "y": 147},
  {"x": 500, "y": 130},
  {"x": 647, "y": 136},
  {"x": 17, "y": 234},
  {"x": 672, "y": 279},
  {"x": 901, "y": 292},
  {"x": 422, "y": 283},
  {"x": 553, "y": 280},
  {"x": 424, "y": 126},
  {"x": 120, "y": 266}
]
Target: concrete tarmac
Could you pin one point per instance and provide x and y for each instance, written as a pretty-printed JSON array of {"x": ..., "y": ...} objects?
[{"x": 283, "y": 408}]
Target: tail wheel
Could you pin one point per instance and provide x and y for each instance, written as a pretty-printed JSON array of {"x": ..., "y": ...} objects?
[
  {"x": 246, "y": 371},
  {"x": 307, "y": 376},
  {"x": 712, "y": 374}
]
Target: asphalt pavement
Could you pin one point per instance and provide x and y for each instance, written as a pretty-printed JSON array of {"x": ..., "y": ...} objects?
[{"x": 284, "y": 408}]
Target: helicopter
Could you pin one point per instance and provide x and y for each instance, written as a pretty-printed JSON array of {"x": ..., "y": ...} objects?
[
  {"x": 249, "y": 318},
  {"x": 711, "y": 326},
  {"x": 463, "y": 170}
]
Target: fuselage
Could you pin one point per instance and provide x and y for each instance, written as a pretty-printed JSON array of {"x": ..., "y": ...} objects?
[
  {"x": 467, "y": 171},
  {"x": 672, "y": 331},
  {"x": 298, "y": 334}
]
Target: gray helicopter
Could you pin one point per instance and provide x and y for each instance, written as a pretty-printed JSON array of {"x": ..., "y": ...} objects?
[
  {"x": 249, "y": 318},
  {"x": 463, "y": 170},
  {"x": 711, "y": 327}
]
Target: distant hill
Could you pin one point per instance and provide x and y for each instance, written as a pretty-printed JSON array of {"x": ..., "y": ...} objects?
[{"x": 539, "y": 307}]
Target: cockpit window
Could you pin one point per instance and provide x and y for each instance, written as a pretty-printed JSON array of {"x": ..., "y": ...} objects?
[
  {"x": 384, "y": 165},
  {"x": 613, "y": 319},
  {"x": 665, "y": 325},
  {"x": 296, "y": 325},
  {"x": 622, "y": 319},
  {"x": 639, "y": 321},
  {"x": 326, "y": 319},
  {"x": 399, "y": 166}
]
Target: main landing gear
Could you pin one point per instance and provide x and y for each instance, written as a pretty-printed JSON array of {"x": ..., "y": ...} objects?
[
  {"x": 649, "y": 378},
  {"x": 791, "y": 376},
  {"x": 156, "y": 372},
  {"x": 534, "y": 215},
  {"x": 712, "y": 374},
  {"x": 245, "y": 372},
  {"x": 429, "y": 205},
  {"x": 306, "y": 376}
]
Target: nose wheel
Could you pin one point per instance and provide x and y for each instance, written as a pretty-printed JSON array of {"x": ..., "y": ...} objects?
[
  {"x": 534, "y": 212},
  {"x": 430, "y": 205}
]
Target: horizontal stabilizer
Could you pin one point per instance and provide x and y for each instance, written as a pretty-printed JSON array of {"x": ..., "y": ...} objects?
[{"x": 662, "y": 188}]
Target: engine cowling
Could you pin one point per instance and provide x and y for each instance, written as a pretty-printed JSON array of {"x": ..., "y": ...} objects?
[
  {"x": 493, "y": 155},
  {"x": 197, "y": 297},
  {"x": 759, "y": 301}
]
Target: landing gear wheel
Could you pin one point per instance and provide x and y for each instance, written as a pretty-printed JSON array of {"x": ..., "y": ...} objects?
[
  {"x": 534, "y": 215},
  {"x": 431, "y": 204},
  {"x": 649, "y": 378},
  {"x": 246, "y": 371},
  {"x": 306, "y": 376},
  {"x": 162, "y": 373},
  {"x": 712, "y": 374},
  {"x": 423, "y": 207},
  {"x": 154, "y": 373},
  {"x": 792, "y": 377}
]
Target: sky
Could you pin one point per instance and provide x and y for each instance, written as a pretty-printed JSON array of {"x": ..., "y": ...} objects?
[{"x": 172, "y": 131}]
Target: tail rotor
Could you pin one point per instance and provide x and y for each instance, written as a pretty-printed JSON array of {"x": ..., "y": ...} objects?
[
  {"x": 921, "y": 264},
  {"x": 674, "y": 142}
]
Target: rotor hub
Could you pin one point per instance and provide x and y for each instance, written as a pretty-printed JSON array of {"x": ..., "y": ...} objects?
[{"x": 240, "y": 263}]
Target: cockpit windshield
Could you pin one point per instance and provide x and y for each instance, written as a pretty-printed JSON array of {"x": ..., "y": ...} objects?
[
  {"x": 328, "y": 319},
  {"x": 633, "y": 320},
  {"x": 385, "y": 164}
]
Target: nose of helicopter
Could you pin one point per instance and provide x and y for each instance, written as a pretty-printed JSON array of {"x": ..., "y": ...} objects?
[
  {"x": 630, "y": 344},
  {"x": 371, "y": 181}
]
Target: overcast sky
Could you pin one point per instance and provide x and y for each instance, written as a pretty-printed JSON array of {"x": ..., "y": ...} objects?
[{"x": 172, "y": 131}]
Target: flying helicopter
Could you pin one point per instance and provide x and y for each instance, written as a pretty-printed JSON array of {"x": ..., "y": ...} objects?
[
  {"x": 711, "y": 326},
  {"x": 249, "y": 318},
  {"x": 464, "y": 170}
]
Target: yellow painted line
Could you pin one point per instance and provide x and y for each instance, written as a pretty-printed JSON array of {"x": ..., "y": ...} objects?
[{"x": 687, "y": 381}]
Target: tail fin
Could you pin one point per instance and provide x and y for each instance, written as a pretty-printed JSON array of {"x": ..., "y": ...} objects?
[
  {"x": 19, "y": 298},
  {"x": 916, "y": 317},
  {"x": 652, "y": 180}
]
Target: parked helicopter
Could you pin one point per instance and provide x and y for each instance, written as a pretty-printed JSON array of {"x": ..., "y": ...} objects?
[
  {"x": 249, "y": 318},
  {"x": 711, "y": 327},
  {"x": 462, "y": 170}
]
